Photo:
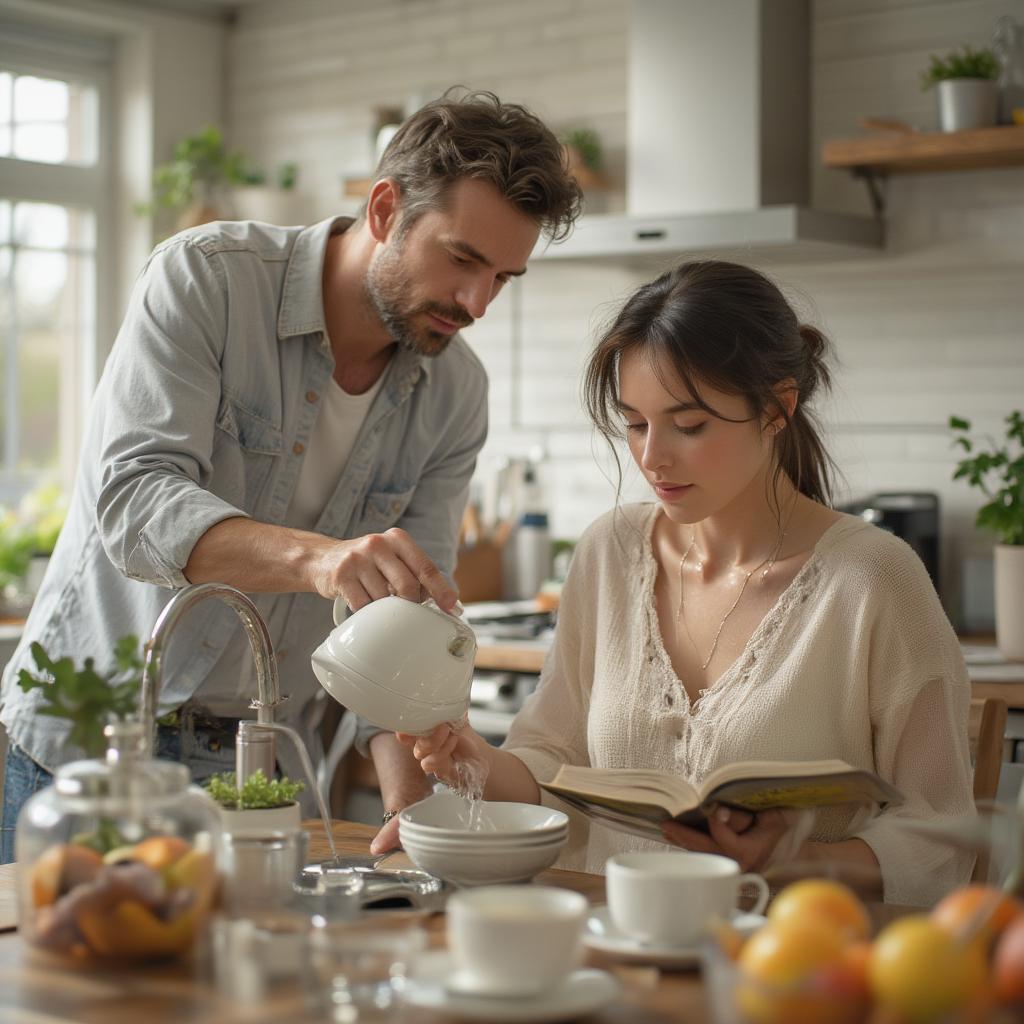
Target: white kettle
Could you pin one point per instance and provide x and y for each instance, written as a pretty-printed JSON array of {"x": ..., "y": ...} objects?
[{"x": 403, "y": 666}]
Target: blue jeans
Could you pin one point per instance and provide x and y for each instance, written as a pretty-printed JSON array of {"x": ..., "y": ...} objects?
[{"x": 203, "y": 751}]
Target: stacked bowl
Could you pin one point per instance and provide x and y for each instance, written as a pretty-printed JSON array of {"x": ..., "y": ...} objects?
[{"x": 512, "y": 843}]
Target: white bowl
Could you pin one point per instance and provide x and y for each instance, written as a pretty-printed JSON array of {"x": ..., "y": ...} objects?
[
  {"x": 477, "y": 866},
  {"x": 443, "y": 814},
  {"x": 469, "y": 844},
  {"x": 403, "y": 666}
]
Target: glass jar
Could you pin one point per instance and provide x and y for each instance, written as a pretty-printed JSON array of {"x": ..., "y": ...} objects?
[{"x": 118, "y": 858}]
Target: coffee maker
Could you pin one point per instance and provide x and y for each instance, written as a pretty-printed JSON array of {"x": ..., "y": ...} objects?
[{"x": 911, "y": 515}]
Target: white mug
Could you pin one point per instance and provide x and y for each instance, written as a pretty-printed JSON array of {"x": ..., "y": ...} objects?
[
  {"x": 514, "y": 939},
  {"x": 666, "y": 898}
]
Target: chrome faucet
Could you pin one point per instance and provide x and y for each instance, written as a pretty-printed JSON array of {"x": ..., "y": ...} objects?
[{"x": 255, "y": 747}]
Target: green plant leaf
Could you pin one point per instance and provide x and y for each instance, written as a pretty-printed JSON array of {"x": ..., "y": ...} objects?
[
  {"x": 83, "y": 696},
  {"x": 964, "y": 63},
  {"x": 257, "y": 791},
  {"x": 998, "y": 472}
]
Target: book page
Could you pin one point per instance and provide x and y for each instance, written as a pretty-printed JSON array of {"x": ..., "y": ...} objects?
[
  {"x": 771, "y": 770},
  {"x": 629, "y": 785}
]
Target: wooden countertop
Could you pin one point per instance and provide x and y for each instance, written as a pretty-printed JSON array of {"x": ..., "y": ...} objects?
[
  {"x": 39, "y": 988},
  {"x": 528, "y": 656}
]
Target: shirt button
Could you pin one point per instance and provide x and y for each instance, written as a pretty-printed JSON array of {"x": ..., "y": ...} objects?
[
  {"x": 679, "y": 735},
  {"x": 298, "y": 448},
  {"x": 311, "y": 396}
]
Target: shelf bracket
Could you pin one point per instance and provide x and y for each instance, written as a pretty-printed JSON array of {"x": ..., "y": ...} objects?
[{"x": 876, "y": 182}]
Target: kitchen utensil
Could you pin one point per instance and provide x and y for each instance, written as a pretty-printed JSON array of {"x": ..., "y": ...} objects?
[{"x": 403, "y": 666}]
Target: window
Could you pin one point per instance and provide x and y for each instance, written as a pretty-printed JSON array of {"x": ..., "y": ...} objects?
[
  {"x": 47, "y": 119},
  {"x": 47, "y": 302},
  {"x": 54, "y": 202}
]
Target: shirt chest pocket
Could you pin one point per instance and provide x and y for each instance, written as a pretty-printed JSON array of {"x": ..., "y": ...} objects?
[
  {"x": 246, "y": 448},
  {"x": 382, "y": 509}
]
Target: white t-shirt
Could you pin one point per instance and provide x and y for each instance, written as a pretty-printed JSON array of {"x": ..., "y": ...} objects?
[
  {"x": 330, "y": 444},
  {"x": 227, "y": 689}
]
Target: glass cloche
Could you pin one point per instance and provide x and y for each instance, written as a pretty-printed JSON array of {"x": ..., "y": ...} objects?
[{"x": 118, "y": 858}]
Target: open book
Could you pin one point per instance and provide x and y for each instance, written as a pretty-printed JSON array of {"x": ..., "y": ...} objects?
[{"x": 638, "y": 800}]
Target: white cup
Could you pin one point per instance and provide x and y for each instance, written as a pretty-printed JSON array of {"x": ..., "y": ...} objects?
[
  {"x": 514, "y": 939},
  {"x": 669, "y": 898}
]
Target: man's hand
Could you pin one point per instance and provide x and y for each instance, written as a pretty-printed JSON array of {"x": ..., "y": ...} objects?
[
  {"x": 379, "y": 564},
  {"x": 258, "y": 558}
]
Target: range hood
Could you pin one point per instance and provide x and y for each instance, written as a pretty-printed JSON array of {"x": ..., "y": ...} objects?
[{"x": 718, "y": 152}]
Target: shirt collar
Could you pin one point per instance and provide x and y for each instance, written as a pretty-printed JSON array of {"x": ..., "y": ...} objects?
[{"x": 302, "y": 299}]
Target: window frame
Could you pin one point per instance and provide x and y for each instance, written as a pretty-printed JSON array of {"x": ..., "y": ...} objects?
[{"x": 89, "y": 60}]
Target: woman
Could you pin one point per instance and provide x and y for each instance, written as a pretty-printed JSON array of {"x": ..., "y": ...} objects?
[{"x": 739, "y": 617}]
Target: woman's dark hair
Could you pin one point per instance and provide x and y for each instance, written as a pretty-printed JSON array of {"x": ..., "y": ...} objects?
[
  {"x": 475, "y": 135},
  {"x": 730, "y": 327}
]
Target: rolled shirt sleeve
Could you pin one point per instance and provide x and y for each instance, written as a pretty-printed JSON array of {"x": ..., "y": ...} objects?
[{"x": 161, "y": 390}]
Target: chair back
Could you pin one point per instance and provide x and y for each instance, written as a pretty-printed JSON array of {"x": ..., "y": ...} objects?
[{"x": 985, "y": 730}]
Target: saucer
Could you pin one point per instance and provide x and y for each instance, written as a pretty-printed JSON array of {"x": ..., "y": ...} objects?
[
  {"x": 600, "y": 933},
  {"x": 433, "y": 983}
]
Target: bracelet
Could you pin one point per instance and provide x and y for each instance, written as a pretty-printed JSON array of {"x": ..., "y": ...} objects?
[{"x": 388, "y": 815}]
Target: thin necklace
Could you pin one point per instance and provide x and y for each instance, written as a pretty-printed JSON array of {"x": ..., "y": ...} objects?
[{"x": 768, "y": 561}]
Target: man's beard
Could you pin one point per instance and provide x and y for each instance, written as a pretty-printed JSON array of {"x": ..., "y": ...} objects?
[{"x": 387, "y": 287}]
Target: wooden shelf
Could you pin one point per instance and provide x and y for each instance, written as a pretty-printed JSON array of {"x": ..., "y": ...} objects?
[{"x": 910, "y": 152}]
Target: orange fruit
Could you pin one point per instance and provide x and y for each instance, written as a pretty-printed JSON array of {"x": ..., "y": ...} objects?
[
  {"x": 825, "y": 900},
  {"x": 794, "y": 972},
  {"x": 960, "y": 910},
  {"x": 1008, "y": 964},
  {"x": 919, "y": 970},
  {"x": 59, "y": 868},
  {"x": 160, "y": 852}
]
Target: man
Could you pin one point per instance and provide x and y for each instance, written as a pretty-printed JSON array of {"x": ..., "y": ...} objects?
[{"x": 292, "y": 411}]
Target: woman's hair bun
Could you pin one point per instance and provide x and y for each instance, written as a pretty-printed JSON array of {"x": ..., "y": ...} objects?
[{"x": 817, "y": 346}]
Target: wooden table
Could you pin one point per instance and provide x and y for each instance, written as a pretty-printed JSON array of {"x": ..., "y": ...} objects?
[{"x": 38, "y": 988}]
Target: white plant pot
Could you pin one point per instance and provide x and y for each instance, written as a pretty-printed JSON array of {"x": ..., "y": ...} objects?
[
  {"x": 269, "y": 205},
  {"x": 1009, "y": 587},
  {"x": 967, "y": 103},
  {"x": 263, "y": 819}
]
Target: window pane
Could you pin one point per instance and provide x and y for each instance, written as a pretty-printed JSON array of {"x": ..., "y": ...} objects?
[
  {"x": 6, "y": 80},
  {"x": 40, "y": 288},
  {"x": 40, "y": 99},
  {"x": 5, "y": 140},
  {"x": 5, "y": 221},
  {"x": 41, "y": 225},
  {"x": 81, "y": 228},
  {"x": 47, "y": 143}
]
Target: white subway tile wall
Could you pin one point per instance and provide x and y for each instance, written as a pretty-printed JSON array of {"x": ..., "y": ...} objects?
[{"x": 932, "y": 326}]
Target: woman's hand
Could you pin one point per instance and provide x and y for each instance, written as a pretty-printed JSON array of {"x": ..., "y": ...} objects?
[
  {"x": 749, "y": 839},
  {"x": 439, "y": 752}
]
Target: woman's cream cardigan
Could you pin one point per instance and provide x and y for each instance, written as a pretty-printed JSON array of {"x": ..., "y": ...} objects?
[{"x": 856, "y": 660}]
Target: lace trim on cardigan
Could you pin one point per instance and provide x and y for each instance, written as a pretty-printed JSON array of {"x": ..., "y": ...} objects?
[{"x": 798, "y": 592}]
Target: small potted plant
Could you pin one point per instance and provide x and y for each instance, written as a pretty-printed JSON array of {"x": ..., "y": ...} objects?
[
  {"x": 262, "y": 803},
  {"x": 998, "y": 472},
  {"x": 28, "y": 535},
  {"x": 195, "y": 183},
  {"x": 965, "y": 82},
  {"x": 273, "y": 203}
]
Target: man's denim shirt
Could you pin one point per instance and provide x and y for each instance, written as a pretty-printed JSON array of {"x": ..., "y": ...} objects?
[{"x": 203, "y": 413}]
